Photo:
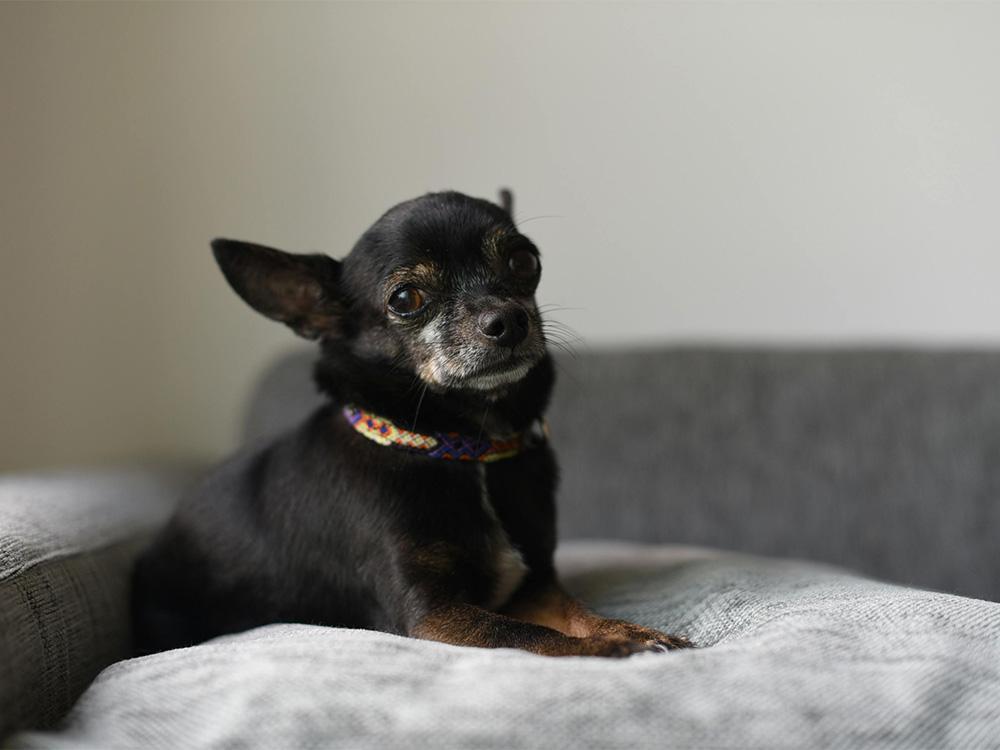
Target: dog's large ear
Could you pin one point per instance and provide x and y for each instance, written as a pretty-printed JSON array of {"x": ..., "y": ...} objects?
[
  {"x": 507, "y": 201},
  {"x": 297, "y": 290}
]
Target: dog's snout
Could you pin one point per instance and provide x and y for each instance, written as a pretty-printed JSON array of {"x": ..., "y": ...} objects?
[{"x": 504, "y": 326}]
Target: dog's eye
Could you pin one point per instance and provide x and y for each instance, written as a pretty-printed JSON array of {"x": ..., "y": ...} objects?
[
  {"x": 523, "y": 263},
  {"x": 407, "y": 301}
]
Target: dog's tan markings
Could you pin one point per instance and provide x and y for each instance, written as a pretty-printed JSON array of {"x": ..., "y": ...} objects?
[
  {"x": 467, "y": 625},
  {"x": 542, "y": 619},
  {"x": 552, "y": 607},
  {"x": 546, "y": 607},
  {"x": 427, "y": 273},
  {"x": 493, "y": 243}
]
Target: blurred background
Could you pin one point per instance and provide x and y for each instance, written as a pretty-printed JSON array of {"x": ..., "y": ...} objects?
[{"x": 767, "y": 173}]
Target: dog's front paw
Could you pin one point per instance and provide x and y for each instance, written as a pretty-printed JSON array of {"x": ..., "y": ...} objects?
[
  {"x": 664, "y": 641},
  {"x": 652, "y": 638},
  {"x": 616, "y": 648},
  {"x": 671, "y": 642}
]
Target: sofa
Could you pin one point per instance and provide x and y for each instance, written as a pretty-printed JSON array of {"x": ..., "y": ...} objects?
[{"x": 821, "y": 522}]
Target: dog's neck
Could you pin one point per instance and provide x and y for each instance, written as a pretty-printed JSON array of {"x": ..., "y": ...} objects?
[{"x": 392, "y": 393}]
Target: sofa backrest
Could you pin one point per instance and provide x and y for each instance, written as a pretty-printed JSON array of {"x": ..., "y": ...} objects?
[{"x": 887, "y": 461}]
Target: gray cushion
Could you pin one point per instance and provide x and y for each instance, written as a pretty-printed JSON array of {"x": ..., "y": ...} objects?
[
  {"x": 887, "y": 461},
  {"x": 794, "y": 655},
  {"x": 66, "y": 545}
]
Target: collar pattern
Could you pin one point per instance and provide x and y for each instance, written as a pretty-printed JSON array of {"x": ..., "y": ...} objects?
[{"x": 450, "y": 446}]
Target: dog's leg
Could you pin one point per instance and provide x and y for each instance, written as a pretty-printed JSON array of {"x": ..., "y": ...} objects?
[
  {"x": 547, "y": 604},
  {"x": 468, "y": 625}
]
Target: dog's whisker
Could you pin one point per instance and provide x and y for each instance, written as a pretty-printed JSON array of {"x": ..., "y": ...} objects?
[
  {"x": 566, "y": 372},
  {"x": 519, "y": 222},
  {"x": 420, "y": 402},
  {"x": 561, "y": 332},
  {"x": 566, "y": 350},
  {"x": 563, "y": 329},
  {"x": 482, "y": 425}
]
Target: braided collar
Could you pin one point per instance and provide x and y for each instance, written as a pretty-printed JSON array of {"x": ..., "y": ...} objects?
[{"x": 451, "y": 446}]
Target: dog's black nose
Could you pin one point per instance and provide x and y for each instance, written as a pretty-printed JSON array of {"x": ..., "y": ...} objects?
[{"x": 504, "y": 326}]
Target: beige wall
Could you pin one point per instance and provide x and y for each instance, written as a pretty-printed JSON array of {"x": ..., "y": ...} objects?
[{"x": 765, "y": 172}]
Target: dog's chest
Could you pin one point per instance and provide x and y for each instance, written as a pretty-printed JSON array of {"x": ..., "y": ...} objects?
[{"x": 506, "y": 563}]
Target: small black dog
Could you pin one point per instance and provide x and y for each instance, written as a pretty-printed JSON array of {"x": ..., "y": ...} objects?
[{"x": 420, "y": 499}]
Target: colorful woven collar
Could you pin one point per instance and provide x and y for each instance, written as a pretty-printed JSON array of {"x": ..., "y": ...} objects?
[{"x": 451, "y": 446}]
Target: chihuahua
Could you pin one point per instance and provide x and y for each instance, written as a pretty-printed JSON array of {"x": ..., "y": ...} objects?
[{"x": 419, "y": 500}]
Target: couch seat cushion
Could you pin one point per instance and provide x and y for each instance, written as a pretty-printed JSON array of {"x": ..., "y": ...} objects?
[{"x": 792, "y": 655}]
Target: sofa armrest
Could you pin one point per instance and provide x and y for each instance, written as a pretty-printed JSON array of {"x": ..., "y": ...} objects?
[{"x": 67, "y": 542}]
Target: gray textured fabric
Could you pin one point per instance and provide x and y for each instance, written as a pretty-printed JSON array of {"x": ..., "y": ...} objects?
[
  {"x": 887, "y": 461},
  {"x": 794, "y": 655},
  {"x": 66, "y": 545}
]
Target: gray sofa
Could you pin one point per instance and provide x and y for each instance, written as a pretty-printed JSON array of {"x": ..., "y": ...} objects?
[{"x": 884, "y": 463}]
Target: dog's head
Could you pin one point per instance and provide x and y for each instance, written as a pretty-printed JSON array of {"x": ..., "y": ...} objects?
[{"x": 441, "y": 287}]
